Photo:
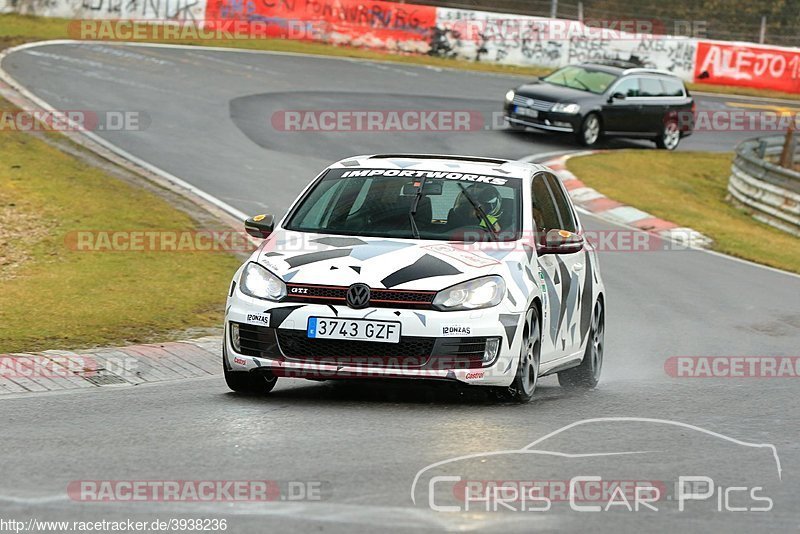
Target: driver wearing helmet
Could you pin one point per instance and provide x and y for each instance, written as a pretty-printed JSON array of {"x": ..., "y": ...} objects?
[{"x": 484, "y": 196}]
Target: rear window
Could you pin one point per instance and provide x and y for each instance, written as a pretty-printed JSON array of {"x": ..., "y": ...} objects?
[
  {"x": 650, "y": 87},
  {"x": 672, "y": 87}
]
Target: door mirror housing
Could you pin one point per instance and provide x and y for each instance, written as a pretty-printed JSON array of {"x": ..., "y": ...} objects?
[
  {"x": 560, "y": 242},
  {"x": 260, "y": 226},
  {"x": 616, "y": 96}
]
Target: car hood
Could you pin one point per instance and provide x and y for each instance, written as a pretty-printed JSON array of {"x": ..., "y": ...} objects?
[
  {"x": 309, "y": 258},
  {"x": 553, "y": 93}
]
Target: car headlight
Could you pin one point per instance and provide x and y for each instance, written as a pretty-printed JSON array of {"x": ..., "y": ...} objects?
[
  {"x": 479, "y": 293},
  {"x": 566, "y": 108},
  {"x": 509, "y": 96},
  {"x": 258, "y": 282}
]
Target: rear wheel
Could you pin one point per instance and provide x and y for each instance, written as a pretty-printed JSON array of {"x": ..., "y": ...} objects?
[
  {"x": 527, "y": 377},
  {"x": 587, "y": 374},
  {"x": 590, "y": 130},
  {"x": 669, "y": 137},
  {"x": 249, "y": 383}
]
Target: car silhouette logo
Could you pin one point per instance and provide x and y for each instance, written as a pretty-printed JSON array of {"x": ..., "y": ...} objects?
[{"x": 358, "y": 296}]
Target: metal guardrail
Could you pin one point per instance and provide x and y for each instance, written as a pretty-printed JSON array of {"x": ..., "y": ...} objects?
[{"x": 771, "y": 193}]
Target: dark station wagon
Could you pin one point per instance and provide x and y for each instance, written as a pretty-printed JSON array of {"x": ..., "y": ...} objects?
[{"x": 593, "y": 100}]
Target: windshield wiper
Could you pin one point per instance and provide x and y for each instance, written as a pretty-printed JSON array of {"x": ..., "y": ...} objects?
[
  {"x": 413, "y": 211},
  {"x": 583, "y": 84},
  {"x": 481, "y": 213}
]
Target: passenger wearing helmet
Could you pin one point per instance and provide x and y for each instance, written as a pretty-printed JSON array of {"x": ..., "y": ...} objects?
[{"x": 487, "y": 198}]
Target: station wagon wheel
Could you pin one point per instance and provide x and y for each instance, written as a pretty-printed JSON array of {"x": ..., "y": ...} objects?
[
  {"x": 587, "y": 374},
  {"x": 670, "y": 136},
  {"x": 527, "y": 377},
  {"x": 590, "y": 131}
]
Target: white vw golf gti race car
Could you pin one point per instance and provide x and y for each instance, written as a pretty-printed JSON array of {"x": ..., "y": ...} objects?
[{"x": 453, "y": 268}]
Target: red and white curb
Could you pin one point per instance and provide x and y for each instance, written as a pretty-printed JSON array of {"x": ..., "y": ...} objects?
[
  {"x": 610, "y": 210},
  {"x": 58, "y": 370}
]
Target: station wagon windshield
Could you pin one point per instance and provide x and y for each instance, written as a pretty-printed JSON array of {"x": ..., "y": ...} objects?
[{"x": 581, "y": 78}]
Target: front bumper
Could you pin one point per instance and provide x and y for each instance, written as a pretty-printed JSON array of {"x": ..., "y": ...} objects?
[
  {"x": 545, "y": 120},
  {"x": 429, "y": 348}
]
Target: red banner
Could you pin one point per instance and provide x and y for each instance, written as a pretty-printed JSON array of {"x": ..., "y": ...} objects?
[
  {"x": 747, "y": 66},
  {"x": 375, "y": 24}
]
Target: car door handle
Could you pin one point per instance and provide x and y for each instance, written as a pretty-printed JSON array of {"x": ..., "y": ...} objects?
[{"x": 577, "y": 267}]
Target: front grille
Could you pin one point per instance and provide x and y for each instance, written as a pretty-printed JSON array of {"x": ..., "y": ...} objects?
[
  {"x": 380, "y": 298},
  {"x": 533, "y": 103},
  {"x": 409, "y": 352},
  {"x": 258, "y": 341}
]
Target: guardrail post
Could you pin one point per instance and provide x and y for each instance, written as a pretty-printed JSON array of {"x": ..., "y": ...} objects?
[
  {"x": 762, "y": 149},
  {"x": 787, "y": 154}
]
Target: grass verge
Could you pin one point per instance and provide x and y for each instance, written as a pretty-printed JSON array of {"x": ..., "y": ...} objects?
[
  {"x": 19, "y": 29},
  {"x": 54, "y": 297},
  {"x": 688, "y": 188}
]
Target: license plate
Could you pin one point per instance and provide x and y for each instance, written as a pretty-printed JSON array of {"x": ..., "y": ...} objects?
[
  {"x": 354, "y": 329},
  {"x": 527, "y": 112}
]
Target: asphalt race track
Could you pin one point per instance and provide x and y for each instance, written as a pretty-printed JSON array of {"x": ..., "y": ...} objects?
[{"x": 210, "y": 125}]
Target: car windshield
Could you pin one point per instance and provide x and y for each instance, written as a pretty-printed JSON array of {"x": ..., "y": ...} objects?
[
  {"x": 379, "y": 202},
  {"x": 582, "y": 78}
]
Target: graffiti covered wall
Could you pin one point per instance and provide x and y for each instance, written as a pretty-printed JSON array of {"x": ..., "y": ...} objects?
[
  {"x": 453, "y": 33},
  {"x": 521, "y": 40}
]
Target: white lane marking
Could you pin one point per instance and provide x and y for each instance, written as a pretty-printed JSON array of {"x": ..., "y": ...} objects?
[
  {"x": 214, "y": 200},
  {"x": 7, "y": 78},
  {"x": 583, "y": 211},
  {"x": 746, "y": 97}
]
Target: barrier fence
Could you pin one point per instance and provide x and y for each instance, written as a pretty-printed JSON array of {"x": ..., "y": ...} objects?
[
  {"x": 451, "y": 32},
  {"x": 770, "y": 192}
]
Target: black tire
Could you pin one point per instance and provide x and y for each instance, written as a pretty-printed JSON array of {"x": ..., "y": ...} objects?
[
  {"x": 246, "y": 382},
  {"x": 669, "y": 137},
  {"x": 590, "y": 131},
  {"x": 524, "y": 385},
  {"x": 587, "y": 374}
]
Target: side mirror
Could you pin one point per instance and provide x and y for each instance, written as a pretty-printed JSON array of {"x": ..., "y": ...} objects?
[
  {"x": 260, "y": 226},
  {"x": 560, "y": 242},
  {"x": 616, "y": 96}
]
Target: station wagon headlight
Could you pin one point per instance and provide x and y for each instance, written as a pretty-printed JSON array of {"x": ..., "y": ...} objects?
[
  {"x": 509, "y": 96},
  {"x": 479, "y": 293},
  {"x": 258, "y": 282},
  {"x": 566, "y": 108}
]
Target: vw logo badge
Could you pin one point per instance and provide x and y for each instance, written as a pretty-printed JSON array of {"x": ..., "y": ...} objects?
[
  {"x": 531, "y": 102},
  {"x": 358, "y": 296}
]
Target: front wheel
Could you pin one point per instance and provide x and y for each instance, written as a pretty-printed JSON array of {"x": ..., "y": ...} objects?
[
  {"x": 259, "y": 383},
  {"x": 669, "y": 137},
  {"x": 587, "y": 374},
  {"x": 527, "y": 377},
  {"x": 590, "y": 130}
]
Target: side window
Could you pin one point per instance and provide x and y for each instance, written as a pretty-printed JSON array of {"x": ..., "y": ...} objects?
[
  {"x": 545, "y": 212},
  {"x": 650, "y": 87},
  {"x": 312, "y": 213},
  {"x": 672, "y": 87},
  {"x": 628, "y": 87},
  {"x": 562, "y": 204}
]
